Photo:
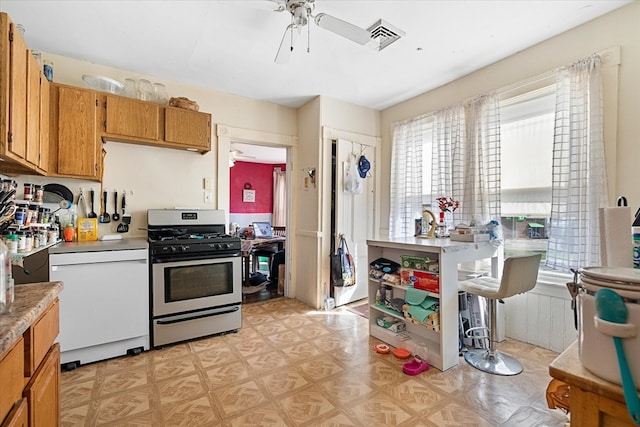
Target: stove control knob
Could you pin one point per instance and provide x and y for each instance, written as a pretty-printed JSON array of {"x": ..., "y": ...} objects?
[
  {"x": 183, "y": 248},
  {"x": 228, "y": 245},
  {"x": 173, "y": 248}
]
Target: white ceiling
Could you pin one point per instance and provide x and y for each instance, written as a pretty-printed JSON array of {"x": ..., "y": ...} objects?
[{"x": 230, "y": 46}]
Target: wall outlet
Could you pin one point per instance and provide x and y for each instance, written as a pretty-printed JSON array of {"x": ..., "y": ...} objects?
[{"x": 208, "y": 197}]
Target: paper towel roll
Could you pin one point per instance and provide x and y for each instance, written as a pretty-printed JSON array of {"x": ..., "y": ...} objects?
[{"x": 615, "y": 237}]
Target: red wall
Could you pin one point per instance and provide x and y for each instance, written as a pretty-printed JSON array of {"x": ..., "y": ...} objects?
[{"x": 260, "y": 176}]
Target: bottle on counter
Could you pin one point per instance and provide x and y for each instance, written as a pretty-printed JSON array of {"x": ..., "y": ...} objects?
[
  {"x": 12, "y": 243},
  {"x": 69, "y": 233}
]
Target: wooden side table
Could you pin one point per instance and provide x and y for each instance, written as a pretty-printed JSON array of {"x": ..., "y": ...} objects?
[{"x": 594, "y": 402}]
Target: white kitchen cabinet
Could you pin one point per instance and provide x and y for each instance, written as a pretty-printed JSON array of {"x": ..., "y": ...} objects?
[
  {"x": 104, "y": 306},
  {"x": 443, "y": 345}
]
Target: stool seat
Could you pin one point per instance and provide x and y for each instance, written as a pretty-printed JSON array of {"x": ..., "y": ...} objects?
[
  {"x": 484, "y": 286},
  {"x": 519, "y": 275}
]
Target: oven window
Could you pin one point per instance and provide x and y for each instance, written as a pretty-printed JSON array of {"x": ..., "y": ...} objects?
[{"x": 198, "y": 281}]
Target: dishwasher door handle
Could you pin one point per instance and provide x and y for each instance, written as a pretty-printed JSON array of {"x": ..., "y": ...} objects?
[
  {"x": 64, "y": 267},
  {"x": 197, "y": 316}
]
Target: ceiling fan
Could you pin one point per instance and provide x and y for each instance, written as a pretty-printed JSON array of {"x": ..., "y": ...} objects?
[{"x": 301, "y": 11}]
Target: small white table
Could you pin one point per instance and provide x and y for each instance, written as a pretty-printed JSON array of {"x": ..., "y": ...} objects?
[{"x": 442, "y": 345}]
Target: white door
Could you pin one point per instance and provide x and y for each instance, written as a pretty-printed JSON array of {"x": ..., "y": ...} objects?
[{"x": 353, "y": 215}]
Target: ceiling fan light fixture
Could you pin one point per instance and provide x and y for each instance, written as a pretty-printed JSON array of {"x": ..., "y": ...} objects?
[{"x": 384, "y": 34}]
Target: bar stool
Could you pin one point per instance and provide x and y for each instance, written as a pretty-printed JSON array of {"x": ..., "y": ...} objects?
[{"x": 519, "y": 275}]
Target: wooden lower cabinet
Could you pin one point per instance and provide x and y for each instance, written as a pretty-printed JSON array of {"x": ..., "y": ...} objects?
[
  {"x": 30, "y": 375},
  {"x": 43, "y": 391},
  {"x": 12, "y": 378},
  {"x": 19, "y": 415}
]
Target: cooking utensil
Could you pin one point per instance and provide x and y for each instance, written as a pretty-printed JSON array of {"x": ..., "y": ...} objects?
[
  {"x": 82, "y": 204},
  {"x": 91, "y": 214},
  {"x": 611, "y": 308},
  {"x": 104, "y": 215},
  {"x": 123, "y": 227},
  {"x": 116, "y": 215}
]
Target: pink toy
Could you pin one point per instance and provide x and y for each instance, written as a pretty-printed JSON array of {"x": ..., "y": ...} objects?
[{"x": 416, "y": 366}]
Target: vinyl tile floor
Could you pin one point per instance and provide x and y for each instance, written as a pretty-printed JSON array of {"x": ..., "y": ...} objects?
[{"x": 290, "y": 365}]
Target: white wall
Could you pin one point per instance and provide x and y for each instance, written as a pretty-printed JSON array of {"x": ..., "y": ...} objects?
[{"x": 622, "y": 127}]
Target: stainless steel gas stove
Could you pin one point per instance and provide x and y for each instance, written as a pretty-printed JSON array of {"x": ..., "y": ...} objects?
[{"x": 195, "y": 275}]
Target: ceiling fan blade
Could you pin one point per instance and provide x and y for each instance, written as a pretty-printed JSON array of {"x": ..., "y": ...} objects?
[
  {"x": 343, "y": 28},
  {"x": 288, "y": 42}
]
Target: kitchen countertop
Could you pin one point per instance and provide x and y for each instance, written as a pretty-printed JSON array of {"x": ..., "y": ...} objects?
[
  {"x": 99, "y": 245},
  {"x": 31, "y": 300}
]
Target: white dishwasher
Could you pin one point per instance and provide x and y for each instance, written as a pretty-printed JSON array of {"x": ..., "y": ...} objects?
[{"x": 104, "y": 305}]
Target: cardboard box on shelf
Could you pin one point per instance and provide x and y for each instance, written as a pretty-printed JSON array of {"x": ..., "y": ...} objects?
[
  {"x": 425, "y": 280},
  {"x": 415, "y": 262}
]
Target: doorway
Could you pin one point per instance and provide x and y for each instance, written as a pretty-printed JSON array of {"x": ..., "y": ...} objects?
[
  {"x": 352, "y": 210},
  {"x": 258, "y": 188}
]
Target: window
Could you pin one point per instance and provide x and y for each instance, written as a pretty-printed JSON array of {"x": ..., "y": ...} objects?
[{"x": 527, "y": 126}]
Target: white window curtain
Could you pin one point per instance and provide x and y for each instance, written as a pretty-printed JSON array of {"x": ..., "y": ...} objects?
[
  {"x": 466, "y": 159},
  {"x": 279, "y": 198},
  {"x": 449, "y": 136},
  {"x": 406, "y": 176},
  {"x": 579, "y": 184},
  {"x": 480, "y": 199}
]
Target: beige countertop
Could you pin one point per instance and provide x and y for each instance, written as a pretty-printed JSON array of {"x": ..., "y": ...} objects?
[
  {"x": 31, "y": 300},
  {"x": 99, "y": 245}
]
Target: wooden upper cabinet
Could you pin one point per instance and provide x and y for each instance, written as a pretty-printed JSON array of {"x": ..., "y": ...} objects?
[
  {"x": 45, "y": 93},
  {"x": 17, "y": 85},
  {"x": 34, "y": 75},
  {"x": 21, "y": 135},
  {"x": 127, "y": 118},
  {"x": 187, "y": 127},
  {"x": 78, "y": 145}
]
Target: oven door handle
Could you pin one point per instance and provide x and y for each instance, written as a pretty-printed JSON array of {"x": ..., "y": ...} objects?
[{"x": 199, "y": 316}]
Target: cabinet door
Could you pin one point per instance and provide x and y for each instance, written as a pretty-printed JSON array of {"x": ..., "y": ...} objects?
[
  {"x": 43, "y": 159},
  {"x": 190, "y": 128},
  {"x": 43, "y": 391},
  {"x": 33, "y": 110},
  {"x": 18, "y": 56},
  {"x": 11, "y": 372},
  {"x": 78, "y": 144},
  {"x": 18, "y": 417},
  {"x": 127, "y": 117},
  {"x": 39, "y": 338}
]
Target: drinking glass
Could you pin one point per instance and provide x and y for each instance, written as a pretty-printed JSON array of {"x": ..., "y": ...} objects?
[
  {"x": 160, "y": 93},
  {"x": 130, "y": 88},
  {"x": 145, "y": 90}
]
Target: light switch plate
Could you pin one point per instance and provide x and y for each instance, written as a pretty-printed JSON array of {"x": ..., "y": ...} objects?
[{"x": 206, "y": 183}]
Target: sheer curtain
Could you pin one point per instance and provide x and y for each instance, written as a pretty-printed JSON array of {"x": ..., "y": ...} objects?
[
  {"x": 481, "y": 168},
  {"x": 579, "y": 184},
  {"x": 406, "y": 176},
  {"x": 449, "y": 136},
  {"x": 466, "y": 158},
  {"x": 279, "y": 198}
]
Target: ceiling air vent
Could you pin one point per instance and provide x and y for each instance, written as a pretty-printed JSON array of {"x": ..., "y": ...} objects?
[{"x": 384, "y": 33}]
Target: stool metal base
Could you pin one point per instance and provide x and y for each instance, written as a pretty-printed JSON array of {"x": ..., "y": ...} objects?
[{"x": 493, "y": 362}]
